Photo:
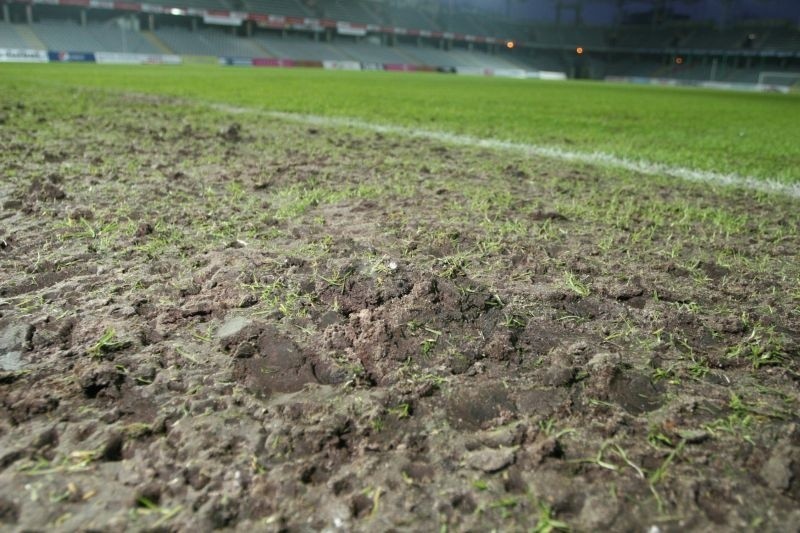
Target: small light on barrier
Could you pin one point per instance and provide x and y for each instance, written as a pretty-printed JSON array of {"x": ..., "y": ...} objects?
[
  {"x": 679, "y": 60},
  {"x": 579, "y": 50},
  {"x": 510, "y": 45}
]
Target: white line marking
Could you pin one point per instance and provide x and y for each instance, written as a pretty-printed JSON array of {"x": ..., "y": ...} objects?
[{"x": 593, "y": 158}]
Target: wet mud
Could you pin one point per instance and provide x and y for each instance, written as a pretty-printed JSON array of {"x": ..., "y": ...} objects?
[{"x": 231, "y": 322}]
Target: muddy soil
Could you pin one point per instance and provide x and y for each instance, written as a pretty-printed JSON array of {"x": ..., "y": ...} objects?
[{"x": 216, "y": 321}]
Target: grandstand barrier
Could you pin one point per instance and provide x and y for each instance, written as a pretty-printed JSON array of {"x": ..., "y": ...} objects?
[
  {"x": 500, "y": 73},
  {"x": 272, "y": 62},
  {"x": 550, "y": 75},
  {"x": 226, "y": 18},
  {"x": 279, "y": 63},
  {"x": 341, "y": 65},
  {"x": 346, "y": 28},
  {"x": 725, "y": 86},
  {"x": 104, "y": 58},
  {"x": 511, "y": 73},
  {"x": 110, "y": 58},
  {"x": 236, "y": 61},
  {"x": 13, "y": 55},
  {"x": 390, "y": 67},
  {"x": 199, "y": 60},
  {"x": 751, "y": 87},
  {"x": 328, "y": 65},
  {"x": 71, "y": 57},
  {"x": 403, "y": 67}
]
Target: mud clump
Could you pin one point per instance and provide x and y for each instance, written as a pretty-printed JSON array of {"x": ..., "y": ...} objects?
[
  {"x": 46, "y": 189},
  {"x": 102, "y": 380},
  {"x": 14, "y": 340},
  {"x": 9, "y": 512},
  {"x": 279, "y": 367},
  {"x": 232, "y": 133},
  {"x": 265, "y": 360},
  {"x": 480, "y": 407},
  {"x": 635, "y": 393}
]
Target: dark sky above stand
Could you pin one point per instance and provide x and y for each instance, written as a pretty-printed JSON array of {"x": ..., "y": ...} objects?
[{"x": 602, "y": 11}]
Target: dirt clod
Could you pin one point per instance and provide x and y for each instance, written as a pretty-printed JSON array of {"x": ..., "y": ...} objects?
[
  {"x": 46, "y": 189},
  {"x": 491, "y": 460},
  {"x": 232, "y": 133},
  {"x": 9, "y": 512}
]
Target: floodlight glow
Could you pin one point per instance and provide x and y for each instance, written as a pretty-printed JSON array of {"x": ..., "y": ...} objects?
[
  {"x": 579, "y": 50},
  {"x": 175, "y": 11},
  {"x": 510, "y": 45}
]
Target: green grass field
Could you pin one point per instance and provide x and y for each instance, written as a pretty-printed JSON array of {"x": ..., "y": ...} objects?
[
  {"x": 747, "y": 134},
  {"x": 300, "y": 325}
]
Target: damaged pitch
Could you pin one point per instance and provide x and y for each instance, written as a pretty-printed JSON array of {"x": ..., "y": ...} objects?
[{"x": 256, "y": 325}]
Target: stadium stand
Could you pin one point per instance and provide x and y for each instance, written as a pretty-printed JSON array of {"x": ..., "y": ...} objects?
[
  {"x": 781, "y": 38},
  {"x": 552, "y": 60},
  {"x": 9, "y": 38},
  {"x": 642, "y": 37},
  {"x": 115, "y": 39},
  {"x": 208, "y": 41},
  {"x": 411, "y": 18},
  {"x": 273, "y": 7},
  {"x": 372, "y": 53},
  {"x": 690, "y": 71},
  {"x": 228, "y": 45},
  {"x": 449, "y": 40},
  {"x": 481, "y": 60},
  {"x": 65, "y": 35},
  {"x": 463, "y": 23},
  {"x": 509, "y": 30},
  {"x": 570, "y": 36},
  {"x": 202, "y": 4},
  {"x": 183, "y": 41},
  {"x": 430, "y": 56},
  {"x": 349, "y": 11},
  {"x": 743, "y": 75},
  {"x": 301, "y": 48},
  {"x": 585, "y": 36},
  {"x": 707, "y": 39}
]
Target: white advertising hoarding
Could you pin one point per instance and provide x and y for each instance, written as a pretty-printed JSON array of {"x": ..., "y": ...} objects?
[{"x": 13, "y": 55}]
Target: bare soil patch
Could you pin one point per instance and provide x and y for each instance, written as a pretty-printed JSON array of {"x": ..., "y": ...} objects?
[{"x": 218, "y": 322}]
